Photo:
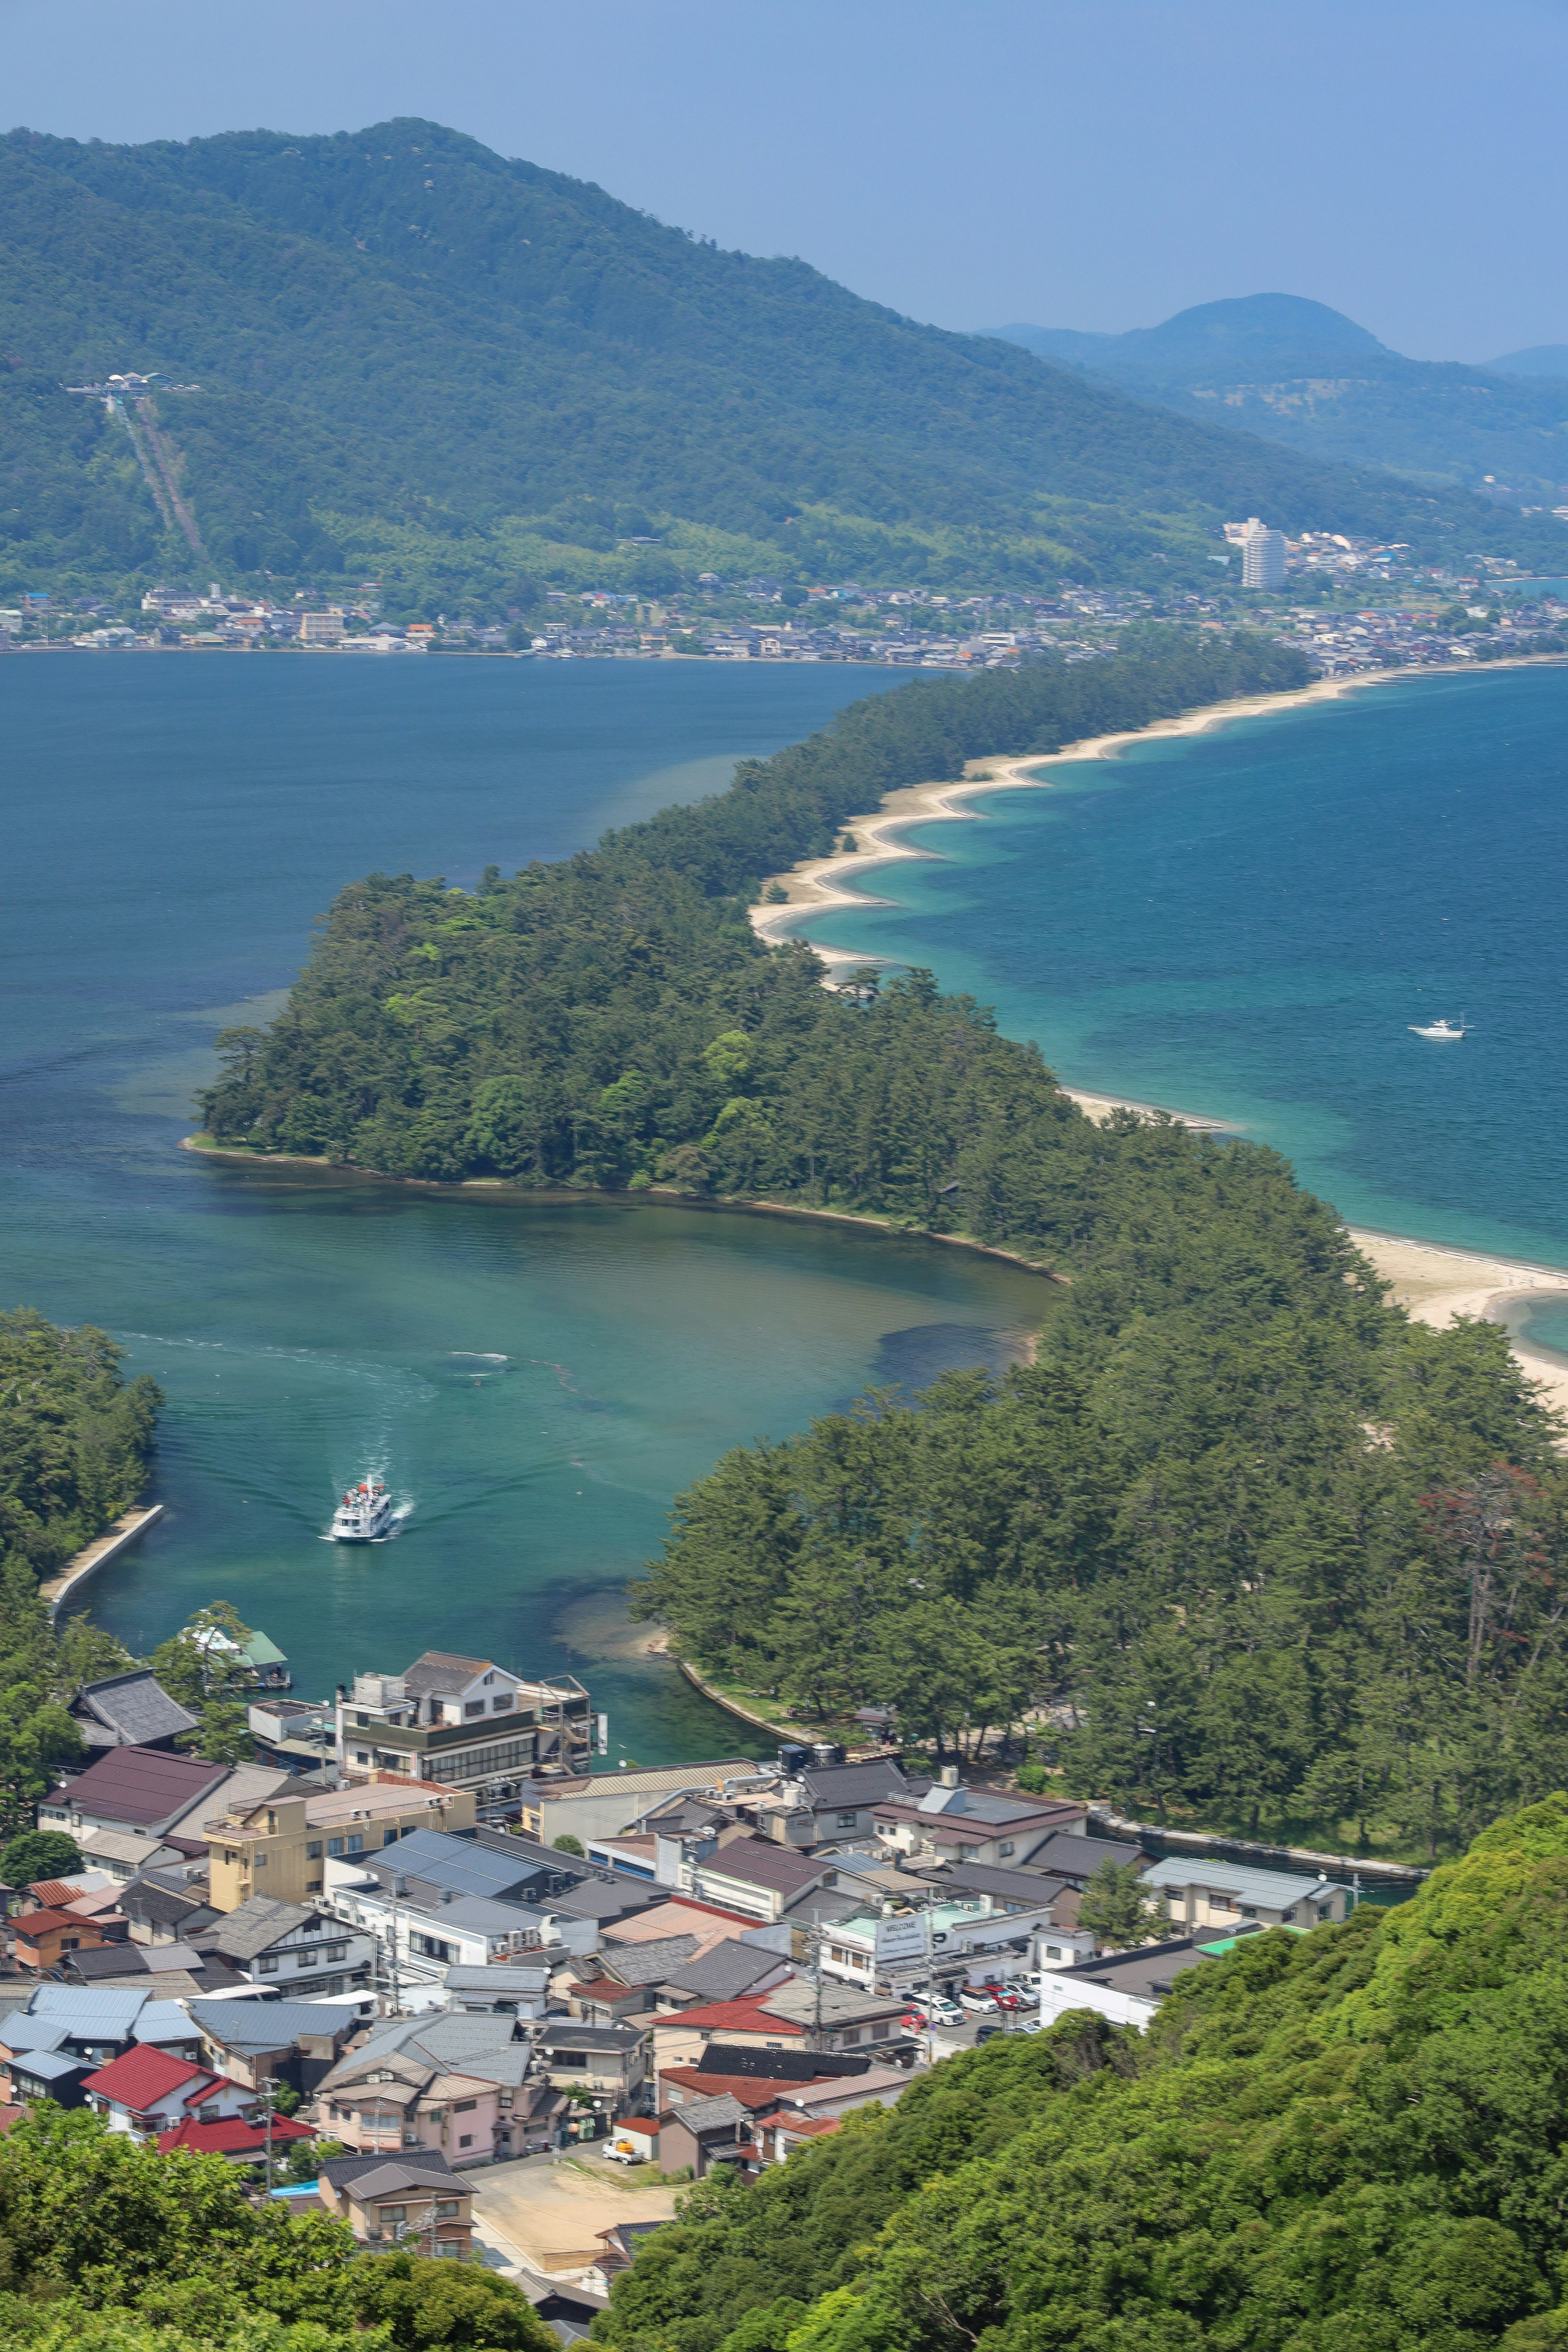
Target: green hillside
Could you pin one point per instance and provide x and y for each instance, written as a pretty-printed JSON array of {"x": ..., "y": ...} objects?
[
  {"x": 1300, "y": 374},
  {"x": 462, "y": 374},
  {"x": 1350, "y": 2141}
]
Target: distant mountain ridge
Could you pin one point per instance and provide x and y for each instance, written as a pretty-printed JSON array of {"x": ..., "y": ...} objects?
[
  {"x": 1300, "y": 373},
  {"x": 419, "y": 361}
]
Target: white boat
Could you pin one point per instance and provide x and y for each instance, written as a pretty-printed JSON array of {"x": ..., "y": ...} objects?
[
  {"x": 364, "y": 1515},
  {"x": 1446, "y": 1032}
]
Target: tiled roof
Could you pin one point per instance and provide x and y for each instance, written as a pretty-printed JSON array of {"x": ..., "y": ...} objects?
[
  {"x": 714, "y": 2114},
  {"x": 726, "y": 1971},
  {"x": 386, "y": 2176},
  {"x": 145, "y": 2073},
  {"x": 233, "y": 2136},
  {"x": 848, "y": 1785},
  {"x": 271, "y": 2024},
  {"x": 751, "y": 2091},
  {"x": 442, "y": 1671},
  {"x": 649, "y": 1963},
  {"x": 1268, "y": 1890},
  {"x": 135, "y": 1707},
  {"x": 756, "y": 1862},
  {"x": 732, "y": 2017},
  {"x": 138, "y": 1787},
  {"x": 33, "y": 1924}
]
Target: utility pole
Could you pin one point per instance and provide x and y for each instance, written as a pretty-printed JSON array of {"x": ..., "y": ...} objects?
[{"x": 267, "y": 2088}]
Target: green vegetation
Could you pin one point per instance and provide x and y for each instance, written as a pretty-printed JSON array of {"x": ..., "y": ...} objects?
[
  {"x": 1307, "y": 377},
  {"x": 1348, "y": 2139},
  {"x": 462, "y": 377},
  {"x": 614, "y": 1021},
  {"x": 74, "y": 1439},
  {"x": 1118, "y": 1907},
  {"x": 1284, "y": 1558},
  {"x": 36, "y": 1854},
  {"x": 109, "y": 2247}
]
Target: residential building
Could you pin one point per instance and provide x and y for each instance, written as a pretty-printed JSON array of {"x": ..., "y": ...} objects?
[
  {"x": 1206, "y": 1893},
  {"x": 439, "y": 1902},
  {"x": 1125, "y": 1987},
  {"x": 456, "y": 2083},
  {"x": 963, "y": 1824},
  {"x": 496, "y": 1991},
  {"x": 1262, "y": 556},
  {"x": 817, "y": 1802},
  {"x": 149, "y": 2091},
  {"x": 143, "y": 1790},
  {"x": 130, "y": 1710},
  {"x": 280, "y": 1846},
  {"x": 293, "y": 2042},
  {"x": 619, "y": 2243},
  {"x": 604, "y": 1804},
  {"x": 300, "y": 1949},
  {"x": 942, "y": 1940},
  {"x": 321, "y": 628},
  {"x": 126, "y": 1853},
  {"x": 796, "y": 2014},
  {"x": 45, "y": 1937},
  {"x": 415, "y": 2200},
  {"x": 750, "y": 1875},
  {"x": 464, "y": 1723},
  {"x": 607, "y": 2061},
  {"x": 1075, "y": 1857}
]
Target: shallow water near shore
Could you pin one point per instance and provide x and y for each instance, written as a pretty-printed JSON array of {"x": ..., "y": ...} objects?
[
  {"x": 536, "y": 1377},
  {"x": 1242, "y": 923}
]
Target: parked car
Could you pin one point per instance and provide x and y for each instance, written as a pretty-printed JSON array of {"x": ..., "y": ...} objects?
[
  {"x": 946, "y": 2013},
  {"x": 987, "y": 2034},
  {"x": 1012, "y": 2000},
  {"x": 978, "y": 2001},
  {"x": 913, "y": 2021}
]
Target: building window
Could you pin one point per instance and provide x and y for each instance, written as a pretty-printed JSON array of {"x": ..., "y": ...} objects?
[
  {"x": 314, "y": 1850},
  {"x": 1005, "y": 1849},
  {"x": 335, "y": 1845},
  {"x": 391, "y": 1836},
  {"x": 465, "y": 2108},
  {"x": 361, "y": 1756},
  {"x": 474, "y": 1707},
  {"x": 335, "y": 1952},
  {"x": 392, "y": 2216},
  {"x": 447, "y": 2207},
  {"x": 466, "y": 2140},
  {"x": 267, "y": 1965},
  {"x": 848, "y": 1820},
  {"x": 500, "y": 1706},
  {"x": 260, "y": 1862},
  {"x": 356, "y": 1844}
]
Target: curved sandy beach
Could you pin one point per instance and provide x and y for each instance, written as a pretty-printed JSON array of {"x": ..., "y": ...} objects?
[{"x": 1434, "y": 1283}]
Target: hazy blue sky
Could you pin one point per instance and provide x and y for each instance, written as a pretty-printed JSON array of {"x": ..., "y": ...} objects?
[{"x": 1074, "y": 162}]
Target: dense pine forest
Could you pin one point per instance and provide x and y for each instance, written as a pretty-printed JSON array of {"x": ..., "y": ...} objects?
[
  {"x": 613, "y": 1020},
  {"x": 1348, "y": 2139},
  {"x": 74, "y": 1439},
  {"x": 404, "y": 358}
]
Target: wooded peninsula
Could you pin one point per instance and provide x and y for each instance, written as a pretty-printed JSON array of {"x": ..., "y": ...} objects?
[{"x": 1258, "y": 1550}]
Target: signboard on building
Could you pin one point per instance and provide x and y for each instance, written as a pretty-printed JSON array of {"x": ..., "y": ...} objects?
[{"x": 901, "y": 1939}]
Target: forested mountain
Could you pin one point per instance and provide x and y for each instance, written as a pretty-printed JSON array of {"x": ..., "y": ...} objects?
[
  {"x": 1300, "y": 374},
  {"x": 1350, "y": 2141},
  {"x": 461, "y": 374}
]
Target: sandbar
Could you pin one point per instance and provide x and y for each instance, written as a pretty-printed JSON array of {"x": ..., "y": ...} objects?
[{"x": 1434, "y": 1283}]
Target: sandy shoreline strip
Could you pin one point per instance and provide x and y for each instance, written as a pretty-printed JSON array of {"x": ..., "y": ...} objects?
[
  {"x": 816, "y": 883},
  {"x": 1435, "y": 1282}
]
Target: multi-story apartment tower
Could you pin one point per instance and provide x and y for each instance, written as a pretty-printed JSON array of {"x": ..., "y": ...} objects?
[{"x": 1262, "y": 556}]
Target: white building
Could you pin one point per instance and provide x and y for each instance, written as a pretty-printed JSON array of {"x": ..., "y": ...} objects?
[
  {"x": 1262, "y": 556},
  {"x": 1210, "y": 1894}
]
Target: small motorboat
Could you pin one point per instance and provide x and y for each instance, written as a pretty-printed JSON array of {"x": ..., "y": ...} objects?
[{"x": 1444, "y": 1033}]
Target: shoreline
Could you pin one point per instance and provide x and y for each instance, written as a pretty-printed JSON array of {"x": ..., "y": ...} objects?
[{"x": 1435, "y": 1282}]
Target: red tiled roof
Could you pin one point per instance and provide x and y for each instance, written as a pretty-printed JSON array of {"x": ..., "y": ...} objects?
[
  {"x": 234, "y": 2137},
  {"x": 733, "y": 2017},
  {"x": 33, "y": 1924},
  {"x": 54, "y": 1894},
  {"x": 137, "y": 1786},
  {"x": 808, "y": 2126},
  {"x": 144, "y": 2075}
]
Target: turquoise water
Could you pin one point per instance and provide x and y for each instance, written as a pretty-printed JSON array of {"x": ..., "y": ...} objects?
[
  {"x": 1242, "y": 923},
  {"x": 536, "y": 1377}
]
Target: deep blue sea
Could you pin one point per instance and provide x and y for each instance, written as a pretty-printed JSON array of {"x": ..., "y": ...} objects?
[
  {"x": 1243, "y": 923},
  {"x": 537, "y": 1378}
]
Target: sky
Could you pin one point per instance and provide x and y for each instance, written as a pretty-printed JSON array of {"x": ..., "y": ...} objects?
[{"x": 1091, "y": 163}]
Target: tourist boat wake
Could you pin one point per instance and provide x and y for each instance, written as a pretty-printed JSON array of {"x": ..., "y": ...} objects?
[{"x": 365, "y": 1515}]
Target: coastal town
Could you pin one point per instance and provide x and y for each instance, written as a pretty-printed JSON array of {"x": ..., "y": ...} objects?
[
  {"x": 1349, "y": 605},
  {"x": 414, "y": 1965}
]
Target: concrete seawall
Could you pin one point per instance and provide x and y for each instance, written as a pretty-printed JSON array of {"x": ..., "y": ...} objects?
[{"x": 107, "y": 1547}]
